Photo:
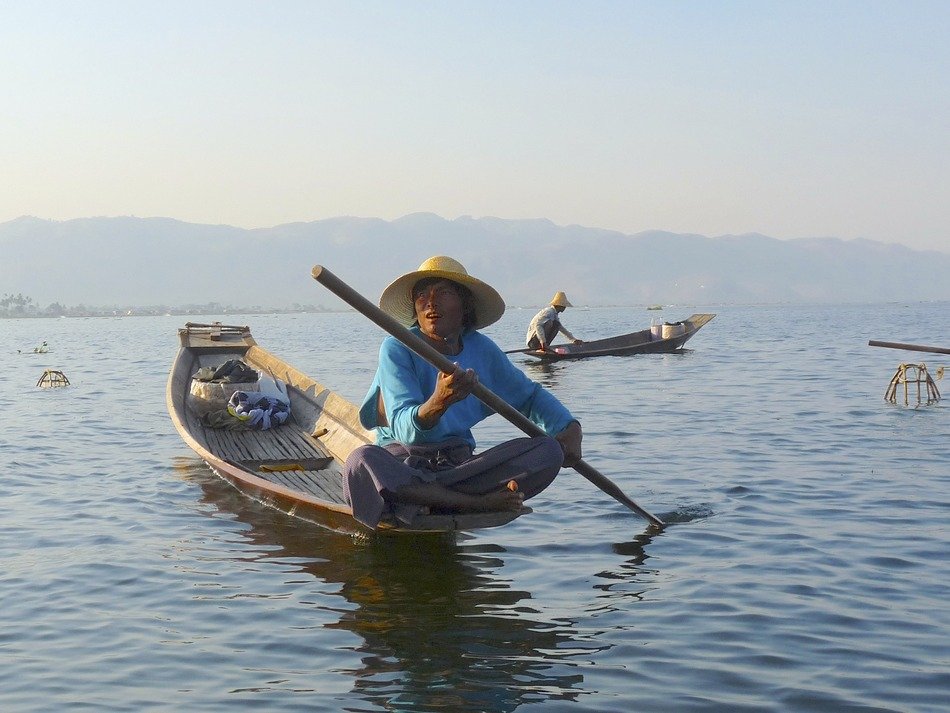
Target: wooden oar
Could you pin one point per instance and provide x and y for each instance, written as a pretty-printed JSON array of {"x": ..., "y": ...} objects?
[
  {"x": 908, "y": 347},
  {"x": 486, "y": 396},
  {"x": 523, "y": 350}
]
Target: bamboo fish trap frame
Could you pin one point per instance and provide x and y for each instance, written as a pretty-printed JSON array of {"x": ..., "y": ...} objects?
[
  {"x": 916, "y": 374},
  {"x": 908, "y": 374},
  {"x": 52, "y": 379}
]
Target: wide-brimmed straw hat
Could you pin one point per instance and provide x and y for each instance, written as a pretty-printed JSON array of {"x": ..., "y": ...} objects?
[
  {"x": 560, "y": 300},
  {"x": 397, "y": 301}
]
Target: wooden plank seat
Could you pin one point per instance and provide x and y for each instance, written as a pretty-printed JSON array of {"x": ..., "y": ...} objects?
[
  {"x": 286, "y": 455},
  {"x": 325, "y": 484}
]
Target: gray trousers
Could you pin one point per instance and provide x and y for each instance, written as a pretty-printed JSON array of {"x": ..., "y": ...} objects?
[
  {"x": 550, "y": 331},
  {"x": 370, "y": 471}
]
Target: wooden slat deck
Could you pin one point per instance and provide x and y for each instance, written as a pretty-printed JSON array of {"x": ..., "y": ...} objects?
[{"x": 288, "y": 444}]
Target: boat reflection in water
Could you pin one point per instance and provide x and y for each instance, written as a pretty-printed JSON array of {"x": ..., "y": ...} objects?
[{"x": 439, "y": 627}]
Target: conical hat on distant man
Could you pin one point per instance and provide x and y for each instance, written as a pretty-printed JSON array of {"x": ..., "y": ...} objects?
[{"x": 560, "y": 300}]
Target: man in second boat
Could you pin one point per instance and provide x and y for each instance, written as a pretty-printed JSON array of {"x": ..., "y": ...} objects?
[
  {"x": 547, "y": 323},
  {"x": 424, "y": 455}
]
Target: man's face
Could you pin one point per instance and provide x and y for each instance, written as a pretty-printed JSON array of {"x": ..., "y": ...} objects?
[{"x": 439, "y": 309}]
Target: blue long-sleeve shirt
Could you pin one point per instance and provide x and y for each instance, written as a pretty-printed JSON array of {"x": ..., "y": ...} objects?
[{"x": 405, "y": 381}]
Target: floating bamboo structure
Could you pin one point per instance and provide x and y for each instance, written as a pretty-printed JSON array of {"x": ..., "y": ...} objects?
[
  {"x": 908, "y": 374},
  {"x": 52, "y": 379}
]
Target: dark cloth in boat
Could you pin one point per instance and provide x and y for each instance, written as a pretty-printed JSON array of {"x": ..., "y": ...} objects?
[
  {"x": 258, "y": 410},
  {"x": 369, "y": 470},
  {"x": 233, "y": 371},
  {"x": 248, "y": 412}
]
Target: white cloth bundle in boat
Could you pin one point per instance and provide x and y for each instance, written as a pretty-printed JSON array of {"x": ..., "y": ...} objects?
[
  {"x": 258, "y": 410},
  {"x": 274, "y": 388},
  {"x": 207, "y": 396}
]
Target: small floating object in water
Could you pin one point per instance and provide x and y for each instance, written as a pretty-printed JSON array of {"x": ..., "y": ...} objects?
[
  {"x": 52, "y": 379},
  {"x": 908, "y": 374},
  {"x": 41, "y": 349}
]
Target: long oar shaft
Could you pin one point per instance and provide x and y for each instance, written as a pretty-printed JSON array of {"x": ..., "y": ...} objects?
[
  {"x": 909, "y": 347},
  {"x": 443, "y": 364}
]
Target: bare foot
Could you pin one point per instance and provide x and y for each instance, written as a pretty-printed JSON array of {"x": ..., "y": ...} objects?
[
  {"x": 440, "y": 498},
  {"x": 503, "y": 500}
]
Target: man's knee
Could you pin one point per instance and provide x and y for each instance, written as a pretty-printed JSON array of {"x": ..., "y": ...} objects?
[
  {"x": 550, "y": 452},
  {"x": 369, "y": 456},
  {"x": 547, "y": 461}
]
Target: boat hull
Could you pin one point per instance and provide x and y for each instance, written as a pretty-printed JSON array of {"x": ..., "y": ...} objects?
[
  {"x": 642, "y": 342},
  {"x": 296, "y": 467}
]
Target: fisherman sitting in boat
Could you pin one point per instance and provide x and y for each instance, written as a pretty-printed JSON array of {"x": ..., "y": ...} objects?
[
  {"x": 547, "y": 323},
  {"x": 424, "y": 453}
]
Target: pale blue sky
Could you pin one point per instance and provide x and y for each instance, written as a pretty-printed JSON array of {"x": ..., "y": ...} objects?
[{"x": 792, "y": 119}]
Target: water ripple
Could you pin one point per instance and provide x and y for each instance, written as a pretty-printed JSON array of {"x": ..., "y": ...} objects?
[{"x": 804, "y": 568}]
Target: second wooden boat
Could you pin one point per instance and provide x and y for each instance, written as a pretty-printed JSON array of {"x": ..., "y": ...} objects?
[
  {"x": 646, "y": 341},
  {"x": 295, "y": 467}
]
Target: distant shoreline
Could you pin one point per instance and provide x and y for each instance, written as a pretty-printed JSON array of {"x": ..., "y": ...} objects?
[
  {"x": 179, "y": 312},
  {"x": 25, "y": 308},
  {"x": 650, "y": 312}
]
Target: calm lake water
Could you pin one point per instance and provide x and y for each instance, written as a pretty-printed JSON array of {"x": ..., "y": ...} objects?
[{"x": 807, "y": 567}]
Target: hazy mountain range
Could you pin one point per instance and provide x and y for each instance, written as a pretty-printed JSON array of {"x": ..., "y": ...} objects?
[{"x": 160, "y": 261}]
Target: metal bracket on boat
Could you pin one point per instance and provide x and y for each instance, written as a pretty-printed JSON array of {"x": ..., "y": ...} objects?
[{"x": 214, "y": 330}]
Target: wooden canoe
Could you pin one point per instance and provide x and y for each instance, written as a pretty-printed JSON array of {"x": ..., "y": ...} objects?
[
  {"x": 295, "y": 467},
  {"x": 642, "y": 342}
]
